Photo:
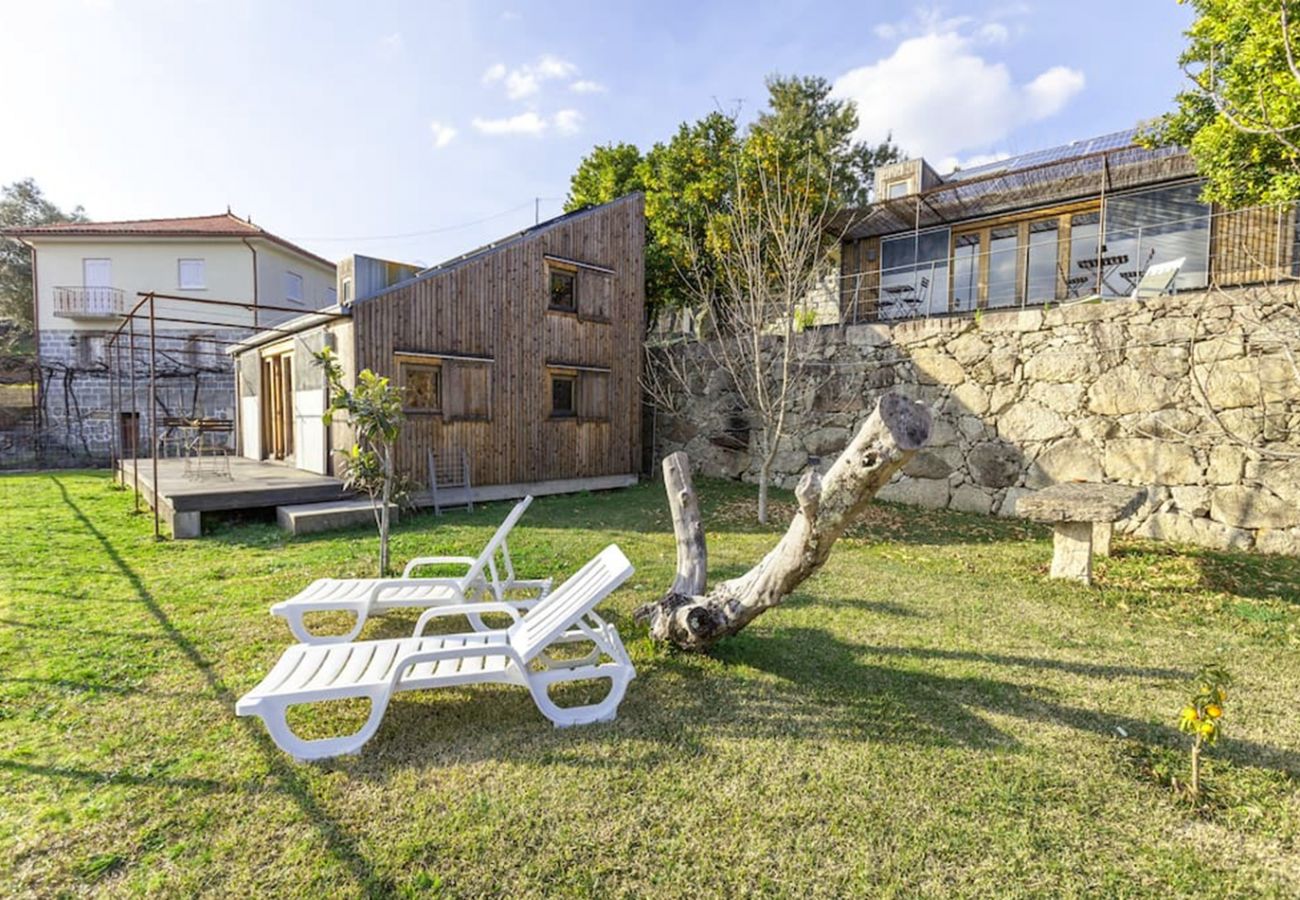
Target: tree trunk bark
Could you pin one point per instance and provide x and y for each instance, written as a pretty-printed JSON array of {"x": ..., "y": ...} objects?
[
  {"x": 887, "y": 439},
  {"x": 763, "y": 477}
]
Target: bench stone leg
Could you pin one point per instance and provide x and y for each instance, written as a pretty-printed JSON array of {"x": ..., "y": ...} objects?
[
  {"x": 1101, "y": 534},
  {"x": 1072, "y": 553}
]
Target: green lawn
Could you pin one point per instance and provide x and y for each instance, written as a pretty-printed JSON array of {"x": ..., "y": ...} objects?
[{"x": 929, "y": 715}]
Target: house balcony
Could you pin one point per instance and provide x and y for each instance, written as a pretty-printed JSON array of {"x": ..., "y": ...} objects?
[{"x": 89, "y": 302}]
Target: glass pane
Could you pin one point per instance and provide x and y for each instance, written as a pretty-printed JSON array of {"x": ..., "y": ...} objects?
[
  {"x": 914, "y": 274},
  {"x": 1153, "y": 227},
  {"x": 561, "y": 396},
  {"x": 562, "y": 290},
  {"x": 965, "y": 272},
  {"x": 1081, "y": 276},
  {"x": 1003, "y": 243},
  {"x": 1041, "y": 267}
]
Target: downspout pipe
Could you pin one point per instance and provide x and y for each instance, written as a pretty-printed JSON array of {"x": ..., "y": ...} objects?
[
  {"x": 239, "y": 412},
  {"x": 253, "y": 250}
]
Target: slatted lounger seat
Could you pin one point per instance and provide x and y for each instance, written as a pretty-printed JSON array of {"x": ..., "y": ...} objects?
[
  {"x": 366, "y": 597},
  {"x": 375, "y": 670}
]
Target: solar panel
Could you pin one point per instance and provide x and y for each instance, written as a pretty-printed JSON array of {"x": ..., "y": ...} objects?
[{"x": 1071, "y": 150}]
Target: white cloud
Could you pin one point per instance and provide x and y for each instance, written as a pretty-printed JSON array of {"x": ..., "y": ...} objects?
[
  {"x": 568, "y": 121},
  {"x": 526, "y": 80},
  {"x": 391, "y": 43},
  {"x": 993, "y": 33},
  {"x": 1049, "y": 92},
  {"x": 442, "y": 134},
  {"x": 952, "y": 163},
  {"x": 584, "y": 86},
  {"x": 938, "y": 96},
  {"x": 524, "y": 123}
]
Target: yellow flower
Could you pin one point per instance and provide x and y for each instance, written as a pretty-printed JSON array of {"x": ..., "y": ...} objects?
[
  {"x": 1213, "y": 711},
  {"x": 1207, "y": 728}
]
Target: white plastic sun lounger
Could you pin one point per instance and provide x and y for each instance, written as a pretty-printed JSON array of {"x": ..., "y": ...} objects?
[
  {"x": 1158, "y": 280},
  {"x": 375, "y": 670},
  {"x": 366, "y": 597}
]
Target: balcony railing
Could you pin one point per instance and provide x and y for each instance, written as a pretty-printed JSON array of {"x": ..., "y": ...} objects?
[{"x": 89, "y": 302}]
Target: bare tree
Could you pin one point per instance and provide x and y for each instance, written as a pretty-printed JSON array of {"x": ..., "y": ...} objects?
[
  {"x": 694, "y": 620},
  {"x": 771, "y": 254}
]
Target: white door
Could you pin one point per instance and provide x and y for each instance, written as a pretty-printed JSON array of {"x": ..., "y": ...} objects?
[{"x": 97, "y": 279}]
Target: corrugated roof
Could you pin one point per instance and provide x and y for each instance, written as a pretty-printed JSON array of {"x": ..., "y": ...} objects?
[{"x": 225, "y": 224}]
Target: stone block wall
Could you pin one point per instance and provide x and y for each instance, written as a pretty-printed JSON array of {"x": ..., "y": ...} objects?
[
  {"x": 76, "y": 388},
  {"x": 1160, "y": 393}
]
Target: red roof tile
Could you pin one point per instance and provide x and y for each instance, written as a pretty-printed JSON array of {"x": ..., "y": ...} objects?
[{"x": 221, "y": 225}]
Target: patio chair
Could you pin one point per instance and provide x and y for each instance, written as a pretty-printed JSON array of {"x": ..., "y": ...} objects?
[
  {"x": 375, "y": 670},
  {"x": 374, "y": 596},
  {"x": 1158, "y": 280}
]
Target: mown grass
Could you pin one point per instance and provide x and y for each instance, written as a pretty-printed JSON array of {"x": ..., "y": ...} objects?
[{"x": 929, "y": 715}]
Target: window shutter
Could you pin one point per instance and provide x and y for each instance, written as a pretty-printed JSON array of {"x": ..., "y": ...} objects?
[
  {"x": 595, "y": 294},
  {"x": 466, "y": 390},
  {"x": 593, "y": 395}
]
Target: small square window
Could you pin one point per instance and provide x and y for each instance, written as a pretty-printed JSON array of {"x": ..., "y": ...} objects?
[
  {"x": 564, "y": 389},
  {"x": 423, "y": 387},
  {"x": 564, "y": 293},
  {"x": 191, "y": 275},
  {"x": 898, "y": 189},
  {"x": 293, "y": 287}
]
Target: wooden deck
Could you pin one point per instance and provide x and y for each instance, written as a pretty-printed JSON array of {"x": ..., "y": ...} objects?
[{"x": 251, "y": 485}]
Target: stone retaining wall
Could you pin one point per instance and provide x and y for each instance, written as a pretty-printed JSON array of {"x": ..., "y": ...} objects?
[{"x": 1133, "y": 392}]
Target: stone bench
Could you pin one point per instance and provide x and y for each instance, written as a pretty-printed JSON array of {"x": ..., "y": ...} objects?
[{"x": 1081, "y": 515}]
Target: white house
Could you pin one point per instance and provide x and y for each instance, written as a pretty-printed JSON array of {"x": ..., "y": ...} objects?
[{"x": 88, "y": 275}]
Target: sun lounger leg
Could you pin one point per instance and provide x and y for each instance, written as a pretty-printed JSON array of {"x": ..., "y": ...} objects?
[
  {"x": 275, "y": 716},
  {"x": 604, "y": 711},
  {"x": 304, "y": 634}
]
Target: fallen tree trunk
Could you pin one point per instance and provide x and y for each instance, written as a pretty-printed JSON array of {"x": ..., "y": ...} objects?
[{"x": 694, "y": 620}]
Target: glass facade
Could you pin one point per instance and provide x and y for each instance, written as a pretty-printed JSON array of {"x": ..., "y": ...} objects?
[
  {"x": 965, "y": 272},
  {"x": 1040, "y": 267},
  {"x": 914, "y": 274},
  {"x": 1152, "y": 227},
  {"x": 1003, "y": 244}
]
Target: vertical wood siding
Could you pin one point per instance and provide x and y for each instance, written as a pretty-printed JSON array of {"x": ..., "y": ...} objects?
[{"x": 495, "y": 305}]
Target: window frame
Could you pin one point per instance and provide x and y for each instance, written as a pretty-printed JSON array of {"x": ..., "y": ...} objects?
[
  {"x": 554, "y": 268},
  {"x": 558, "y": 375},
  {"x": 301, "y": 299},
  {"x": 181, "y": 263},
  {"x": 405, "y": 365}
]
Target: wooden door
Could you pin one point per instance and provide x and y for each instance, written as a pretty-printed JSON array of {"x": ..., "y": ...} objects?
[{"x": 277, "y": 406}]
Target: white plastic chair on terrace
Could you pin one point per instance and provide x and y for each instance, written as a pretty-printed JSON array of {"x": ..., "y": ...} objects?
[
  {"x": 375, "y": 670},
  {"x": 373, "y": 596},
  {"x": 1158, "y": 280}
]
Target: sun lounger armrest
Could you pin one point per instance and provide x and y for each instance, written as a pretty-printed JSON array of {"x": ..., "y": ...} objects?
[
  {"x": 463, "y": 609},
  {"x": 423, "y": 656},
  {"x": 466, "y": 561}
]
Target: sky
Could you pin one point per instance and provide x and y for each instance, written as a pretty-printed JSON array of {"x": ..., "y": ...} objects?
[{"x": 419, "y": 130}]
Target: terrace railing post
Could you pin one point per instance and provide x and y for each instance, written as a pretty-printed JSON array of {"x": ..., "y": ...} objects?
[
  {"x": 135, "y": 417},
  {"x": 153, "y": 414}
]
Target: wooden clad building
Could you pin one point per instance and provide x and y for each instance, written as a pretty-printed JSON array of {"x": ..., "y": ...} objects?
[
  {"x": 523, "y": 357},
  {"x": 1066, "y": 223}
]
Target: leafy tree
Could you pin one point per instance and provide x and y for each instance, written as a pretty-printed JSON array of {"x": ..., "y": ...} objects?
[
  {"x": 690, "y": 179},
  {"x": 374, "y": 410},
  {"x": 1241, "y": 116},
  {"x": 610, "y": 171},
  {"x": 22, "y": 205}
]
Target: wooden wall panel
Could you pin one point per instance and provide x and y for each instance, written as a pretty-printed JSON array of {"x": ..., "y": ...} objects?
[
  {"x": 494, "y": 305},
  {"x": 1251, "y": 245}
]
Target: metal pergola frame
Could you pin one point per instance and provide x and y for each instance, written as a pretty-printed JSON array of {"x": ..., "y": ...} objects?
[{"x": 146, "y": 308}]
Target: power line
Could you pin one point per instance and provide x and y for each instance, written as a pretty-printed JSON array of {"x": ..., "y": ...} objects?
[{"x": 535, "y": 202}]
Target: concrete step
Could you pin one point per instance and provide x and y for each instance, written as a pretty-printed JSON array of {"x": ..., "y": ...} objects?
[{"x": 306, "y": 518}]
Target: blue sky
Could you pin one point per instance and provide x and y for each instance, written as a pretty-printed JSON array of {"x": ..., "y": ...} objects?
[{"x": 419, "y": 130}]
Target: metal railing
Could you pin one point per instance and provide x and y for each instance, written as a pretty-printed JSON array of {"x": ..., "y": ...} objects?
[
  {"x": 1255, "y": 245},
  {"x": 89, "y": 302}
]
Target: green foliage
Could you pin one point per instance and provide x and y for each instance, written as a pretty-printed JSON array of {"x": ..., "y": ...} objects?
[
  {"x": 804, "y": 319},
  {"x": 690, "y": 180},
  {"x": 1203, "y": 715},
  {"x": 1241, "y": 117},
  {"x": 374, "y": 412},
  {"x": 22, "y": 205}
]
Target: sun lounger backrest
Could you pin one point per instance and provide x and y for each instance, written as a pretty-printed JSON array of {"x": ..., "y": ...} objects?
[
  {"x": 1158, "y": 279},
  {"x": 570, "y": 602},
  {"x": 485, "y": 559}
]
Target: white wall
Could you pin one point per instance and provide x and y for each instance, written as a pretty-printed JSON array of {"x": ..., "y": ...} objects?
[{"x": 152, "y": 264}]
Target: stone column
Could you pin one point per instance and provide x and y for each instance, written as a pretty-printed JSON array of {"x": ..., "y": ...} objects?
[
  {"x": 1072, "y": 556},
  {"x": 1101, "y": 534}
]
